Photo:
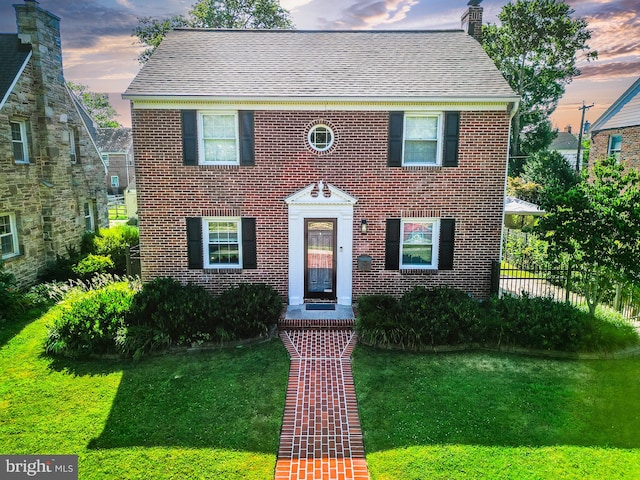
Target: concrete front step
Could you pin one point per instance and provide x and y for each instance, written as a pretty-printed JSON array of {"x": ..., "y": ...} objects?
[{"x": 320, "y": 324}]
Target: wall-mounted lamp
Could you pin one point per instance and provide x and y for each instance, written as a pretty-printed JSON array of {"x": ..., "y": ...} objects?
[{"x": 363, "y": 226}]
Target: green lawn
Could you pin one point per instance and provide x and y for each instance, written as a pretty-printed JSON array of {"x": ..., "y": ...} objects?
[
  {"x": 496, "y": 416},
  {"x": 192, "y": 416}
]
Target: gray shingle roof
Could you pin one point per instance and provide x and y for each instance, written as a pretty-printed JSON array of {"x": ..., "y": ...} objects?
[
  {"x": 625, "y": 111},
  {"x": 320, "y": 64},
  {"x": 12, "y": 57},
  {"x": 114, "y": 140},
  {"x": 564, "y": 141}
]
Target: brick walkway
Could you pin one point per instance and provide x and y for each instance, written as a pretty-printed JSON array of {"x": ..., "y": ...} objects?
[{"x": 321, "y": 436}]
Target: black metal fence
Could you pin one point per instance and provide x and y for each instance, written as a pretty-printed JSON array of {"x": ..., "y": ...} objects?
[{"x": 561, "y": 284}]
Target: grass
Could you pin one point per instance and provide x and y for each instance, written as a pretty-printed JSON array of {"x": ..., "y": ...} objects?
[
  {"x": 495, "y": 416},
  {"x": 207, "y": 415}
]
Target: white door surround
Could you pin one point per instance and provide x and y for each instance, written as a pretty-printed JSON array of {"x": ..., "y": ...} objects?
[{"x": 321, "y": 201}]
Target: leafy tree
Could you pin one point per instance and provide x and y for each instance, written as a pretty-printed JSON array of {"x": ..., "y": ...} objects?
[
  {"x": 535, "y": 48},
  {"x": 97, "y": 104},
  {"x": 253, "y": 14},
  {"x": 597, "y": 224},
  {"x": 551, "y": 171}
]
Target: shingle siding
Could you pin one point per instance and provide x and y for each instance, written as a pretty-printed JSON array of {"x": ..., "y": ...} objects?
[{"x": 471, "y": 193}]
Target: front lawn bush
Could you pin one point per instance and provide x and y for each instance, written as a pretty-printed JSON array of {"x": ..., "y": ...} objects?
[
  {"x": 113, "y": 242},
  {"x": 441, "y": 316},
  {"x": 88, "y": 322},
  {"x": 379, "y": 322},
  {"x": 249, "y": 309},
  {"x": 183, "y": 313},
  {"x": 428, "y": 317}
]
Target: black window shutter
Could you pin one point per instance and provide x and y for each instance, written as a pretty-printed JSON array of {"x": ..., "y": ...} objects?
[
  {"x": 445, "y": 255},
  {"x": 247, "y": 155},
  {"x": 451, "y": 135},
  {"x": 194, "y": 242},
  {"x": 189, "y": 137},
  {"x": 396, "y": 136},
  {"x": 249, "y": 252},
  {"x": 392, "y": 246}
]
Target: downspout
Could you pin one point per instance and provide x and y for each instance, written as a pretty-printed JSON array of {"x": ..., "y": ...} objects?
[{"x": 514, "y": 108}]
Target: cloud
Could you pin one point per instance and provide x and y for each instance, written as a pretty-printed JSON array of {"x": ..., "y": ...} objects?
[
  {"x": 609, "y": 70},
  {"x": 367, "y": 14},
  {"x": 293, "y": 4}
]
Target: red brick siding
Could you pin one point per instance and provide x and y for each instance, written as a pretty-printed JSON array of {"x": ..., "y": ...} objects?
[
  {"x": 630, "y": 148},
  {"x": 472, "y": 193}
]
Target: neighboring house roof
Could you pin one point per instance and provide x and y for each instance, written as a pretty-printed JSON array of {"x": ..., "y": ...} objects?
[
  {"x": 14, "y": 56},
  {"x": 515, "y": 206},
  {"x": 624, "y": 112},
  {"x": 564, "y": 141},
  {"x": 114, "y": 140},
  {"x": 382, "y": 65},
  {"x": 88, "y": 122}
]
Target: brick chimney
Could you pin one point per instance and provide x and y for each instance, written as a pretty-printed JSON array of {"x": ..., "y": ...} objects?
[
  {"x": 567, "y": 129},
  {"x": 472, "y": 20}
]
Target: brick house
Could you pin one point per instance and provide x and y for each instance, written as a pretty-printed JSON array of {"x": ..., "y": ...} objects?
[
  {"x": 51, "y": 173},
  {"x": 327, "y": 164},
  {"x": 617, "y": 131},
  {"x": 116, "y": 148}
]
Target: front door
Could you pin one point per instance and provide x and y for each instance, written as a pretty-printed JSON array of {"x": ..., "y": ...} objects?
[{"x": 320, "y": 259}]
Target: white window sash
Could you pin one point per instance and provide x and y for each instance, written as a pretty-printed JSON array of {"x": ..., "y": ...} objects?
[
  {"x": 201, "y": 138},
  {"x": 206, "y": 244},
  {"x": 435, "y": 242},
  {"x": 23, "y": 142},
  {"x": 438, "y": 139},
  {"x": 13, "y": 234}
]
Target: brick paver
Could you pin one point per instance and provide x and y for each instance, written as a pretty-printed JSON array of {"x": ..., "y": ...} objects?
[{"x": 321, "y": 436}]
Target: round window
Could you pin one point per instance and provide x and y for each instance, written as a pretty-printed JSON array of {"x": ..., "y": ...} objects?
[{"x": 320, "y": 137}]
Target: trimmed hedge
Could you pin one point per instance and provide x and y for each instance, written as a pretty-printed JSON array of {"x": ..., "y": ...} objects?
[{"x": 429, "y": 317}]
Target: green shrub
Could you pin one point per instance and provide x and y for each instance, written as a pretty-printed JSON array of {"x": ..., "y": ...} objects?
[
  {"x": 184, "y": 313},
  {"x": 441, "y": 316},
  {"x": 379, "y": 321},
  {"x": 62, "y": 269},
  {"x": 88, "y": 321},
  {"x": 93, "y": 264},
  {"x": 113, "y": 242},
  {"x": 9, "y": 294},
  {"x": 248, "y": 310}
]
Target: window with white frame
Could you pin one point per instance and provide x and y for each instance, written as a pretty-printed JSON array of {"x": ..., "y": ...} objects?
[
  {"x": 222, "y": 242},
  {"x": 419, "y": 243},
  {"x": 105, "y": 159},
  {"x": 8, "y": 235},
  {"x": 615, "y": 145},
  {"x": 422, "y": 139},
  {"x": 19, "y": 141},
  {"x": 320, "y": 137},
  {"x": 219, "y": 138},
  {"x": 89, "y": 218},
  {"x": 115, "y": 181}
]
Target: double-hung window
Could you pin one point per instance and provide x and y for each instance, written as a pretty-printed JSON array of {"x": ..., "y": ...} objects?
[
  {"x": 8, "y": 235},
  {"x": 19, "y": 141},
  {"x": 222, "y": 240},
  {"x": 615, "y": 145},
  {"x": 419, "y": 243},
  {"x": 219, "y": 138},
  {"x": 422, "y": 139}
]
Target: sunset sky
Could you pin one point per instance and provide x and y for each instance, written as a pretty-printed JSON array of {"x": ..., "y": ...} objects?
[{"x": 99, "y": 51}]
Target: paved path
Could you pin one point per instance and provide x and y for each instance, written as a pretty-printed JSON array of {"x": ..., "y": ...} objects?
[{"x": 321, "y": 437}]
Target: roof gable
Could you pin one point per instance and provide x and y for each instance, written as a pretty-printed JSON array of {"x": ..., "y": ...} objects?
[
  {"x": 114, "y": 140},
  {"x": 320, "y": 64},
  {"x": 14, "y": 56},
  {"x": 624, "y": 112}
]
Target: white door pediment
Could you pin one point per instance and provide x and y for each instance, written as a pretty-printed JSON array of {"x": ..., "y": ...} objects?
[{"x": 321, "y": 194}]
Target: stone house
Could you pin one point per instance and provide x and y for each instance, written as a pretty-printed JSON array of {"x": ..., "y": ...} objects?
[
  {"x": 52, "y": 175},
  {"x": 329, "y": 164},
  {"x": 617, "y": 131}
]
